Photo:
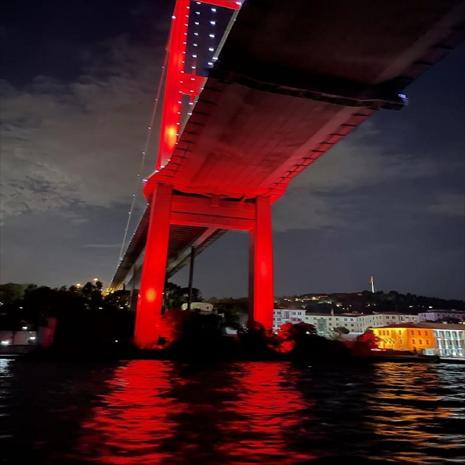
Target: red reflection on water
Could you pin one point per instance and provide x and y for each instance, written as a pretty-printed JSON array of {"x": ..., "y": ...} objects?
[
  {"x": 156, "y": 414},
  {"x": 132, "y": 418},
  {"x": 270, "y": 410}
]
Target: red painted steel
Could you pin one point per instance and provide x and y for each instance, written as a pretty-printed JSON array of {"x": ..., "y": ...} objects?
[
  {"x": 175, "y": 68},
  {"x": 288, "y": 86},
  {"x": 230, "y": 4},
  {"x": 150, "y": 301},
  {"x": 178, "y": 83},
  {"x": 261, "y": 265}
]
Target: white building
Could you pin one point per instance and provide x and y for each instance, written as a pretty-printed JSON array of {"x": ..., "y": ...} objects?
[
  {"x": 450, "y": 339},
  {"x": 203, "y": 307},
  {"x": 325, "y": 323},
  {"x": 439, "y": 315},
  {"x": 287, "y": 315},
  {"x": 17, "y": 338}
]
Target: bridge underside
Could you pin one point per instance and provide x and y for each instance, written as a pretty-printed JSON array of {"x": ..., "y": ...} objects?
[
  {"x": 293, "y": 78},
  {"x": 182, "y": 239}
]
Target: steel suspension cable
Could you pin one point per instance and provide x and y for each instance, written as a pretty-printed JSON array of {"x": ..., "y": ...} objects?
[{"x": 143, "y": 157}]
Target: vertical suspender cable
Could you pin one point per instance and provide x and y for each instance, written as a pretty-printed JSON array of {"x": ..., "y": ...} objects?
[{"x": 143, "y": 158}]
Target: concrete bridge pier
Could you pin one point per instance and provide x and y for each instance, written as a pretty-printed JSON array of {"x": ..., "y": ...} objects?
[
  {"x": 150, "y": 301},
  {"x": 170, "y": 208},
  {"x": 261, "y": 277}
]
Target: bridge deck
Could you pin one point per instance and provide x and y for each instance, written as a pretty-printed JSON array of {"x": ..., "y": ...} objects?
[{"x": 293, "y": 78}]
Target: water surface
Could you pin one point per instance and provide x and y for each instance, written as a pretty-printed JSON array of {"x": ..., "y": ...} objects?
[{"x": 274, "y": 413}]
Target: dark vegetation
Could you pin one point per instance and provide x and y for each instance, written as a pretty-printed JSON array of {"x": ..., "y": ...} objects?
[
  {"x": 365, "y": 301},
  {"x": 86, "y": 320},
  {"x": 92, "y": 324}
]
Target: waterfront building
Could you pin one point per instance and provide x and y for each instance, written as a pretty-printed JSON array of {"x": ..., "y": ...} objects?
[
  {"x": 325, "y": 324},
  {"x": 408, "y": 337},
  {"x": 450, "y": 341},
  {"x": 202, "y": 307},
  {"x": 17, "y": 338},
  {"x": 441, "y": 315},
  {"x": 445, "y": 340},
  {"x": 286, "y": 315}
]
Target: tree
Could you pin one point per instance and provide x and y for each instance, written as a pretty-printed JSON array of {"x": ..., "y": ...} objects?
[
  {"x": 174, "y": 296},
  {"x": 340, "y": 331},
  {"x": 11, "y": 292},
  {"x": 365, "y": 343},
  {"x": 292, "y": 335}
]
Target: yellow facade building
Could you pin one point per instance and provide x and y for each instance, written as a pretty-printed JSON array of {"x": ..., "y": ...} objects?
[{"x": 405, "y": 337}]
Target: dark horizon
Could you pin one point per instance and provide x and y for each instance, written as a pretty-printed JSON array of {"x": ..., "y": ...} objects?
[{"x": 277, "y": 297}]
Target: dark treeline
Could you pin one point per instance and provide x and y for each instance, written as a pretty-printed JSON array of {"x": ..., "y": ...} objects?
[
  {"x": 366, "y": 301},
  {"x": 83, "y": 316},
  {"x": 91, "y": 323}
]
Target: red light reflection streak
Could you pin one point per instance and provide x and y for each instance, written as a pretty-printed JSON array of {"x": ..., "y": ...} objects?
[
  {"x": 269, "y": 409},
  {"x": 131, "y": 420}
]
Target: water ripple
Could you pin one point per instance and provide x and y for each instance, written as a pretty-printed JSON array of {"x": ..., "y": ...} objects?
[{"x": 153, "y": 412}]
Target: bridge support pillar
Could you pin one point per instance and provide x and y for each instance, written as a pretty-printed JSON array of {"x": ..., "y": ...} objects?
[
  {"x": 149, "y": 305},
  {"x": 261, "y": 294}
]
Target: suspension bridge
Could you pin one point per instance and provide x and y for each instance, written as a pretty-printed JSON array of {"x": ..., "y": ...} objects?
[{"x": 253, "y": 93}]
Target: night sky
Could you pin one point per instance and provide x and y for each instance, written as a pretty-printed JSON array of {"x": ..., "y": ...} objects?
[{"x": 77, "y": 86}]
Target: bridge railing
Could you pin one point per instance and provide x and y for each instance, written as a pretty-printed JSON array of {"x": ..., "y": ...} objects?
[{"x": 198, "y": 30}]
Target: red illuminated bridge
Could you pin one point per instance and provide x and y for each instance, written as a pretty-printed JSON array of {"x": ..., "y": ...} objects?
[{"x": 253, "y": 94}]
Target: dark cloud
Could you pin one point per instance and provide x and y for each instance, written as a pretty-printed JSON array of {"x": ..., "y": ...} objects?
[{"x": 78, "y": 142}]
